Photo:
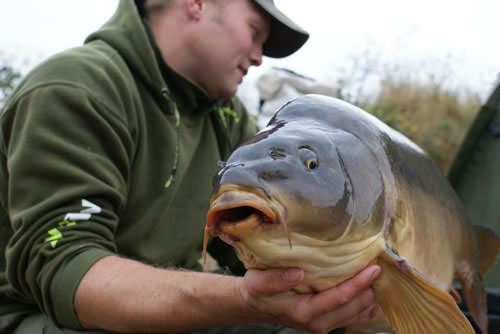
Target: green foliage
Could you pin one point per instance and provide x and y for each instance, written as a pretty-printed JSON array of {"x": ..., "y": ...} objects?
[
  {"x": 432, "y": 116},
  {"x": 425, "y": 109},
  {"x": 9, "y": 77}
]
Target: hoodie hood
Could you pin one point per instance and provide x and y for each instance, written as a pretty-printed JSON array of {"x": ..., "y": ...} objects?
[{"x": 126, "y": 32}]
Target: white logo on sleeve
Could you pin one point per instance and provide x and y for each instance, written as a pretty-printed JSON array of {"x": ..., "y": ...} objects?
[{"x": 71, "y": 218}]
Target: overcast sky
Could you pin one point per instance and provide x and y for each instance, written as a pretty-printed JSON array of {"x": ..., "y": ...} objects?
[{"x": 463, "y": 36}]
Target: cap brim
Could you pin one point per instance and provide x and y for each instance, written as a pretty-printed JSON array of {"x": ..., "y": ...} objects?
[{"x": 285, "y": 37}]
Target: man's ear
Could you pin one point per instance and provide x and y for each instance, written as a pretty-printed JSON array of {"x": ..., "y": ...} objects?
[{"x": 194, "y": 8}]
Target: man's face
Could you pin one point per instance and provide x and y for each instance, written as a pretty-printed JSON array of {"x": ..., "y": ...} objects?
[{"x": 231, "y": 37}]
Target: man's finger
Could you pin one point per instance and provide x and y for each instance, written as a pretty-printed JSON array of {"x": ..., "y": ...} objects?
[
  {"x": 369, "y": 313},
  {"x": 346, "y": 291},
  {"x": 360, "y": 309}
]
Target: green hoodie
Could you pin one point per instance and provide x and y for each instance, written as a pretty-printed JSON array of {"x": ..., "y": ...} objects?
[{"x": 95, "y": 160}]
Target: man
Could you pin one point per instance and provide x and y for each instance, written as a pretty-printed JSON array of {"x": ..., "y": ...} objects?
[{"x": 108, "y": 151}]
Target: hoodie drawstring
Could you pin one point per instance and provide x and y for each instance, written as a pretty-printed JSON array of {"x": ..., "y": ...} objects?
[{"x": 177, "y": 116}]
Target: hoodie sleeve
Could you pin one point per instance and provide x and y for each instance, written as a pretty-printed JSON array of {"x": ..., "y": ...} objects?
[{"x": 68, "y": 158}]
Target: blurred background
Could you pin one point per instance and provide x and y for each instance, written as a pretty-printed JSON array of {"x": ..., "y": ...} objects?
[{"x": 423, "y": 67}]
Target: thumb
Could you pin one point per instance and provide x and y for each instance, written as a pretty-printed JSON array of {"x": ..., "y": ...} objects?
[{"x": 274, "y": 280}]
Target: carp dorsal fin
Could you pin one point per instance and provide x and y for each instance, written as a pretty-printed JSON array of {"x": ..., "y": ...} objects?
[
  {"x": 489, "y": 248},
  {"x": 412, "y": 304}
]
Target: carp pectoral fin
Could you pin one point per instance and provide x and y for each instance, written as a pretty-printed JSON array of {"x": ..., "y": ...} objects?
[{"x": 412, "y": 304}]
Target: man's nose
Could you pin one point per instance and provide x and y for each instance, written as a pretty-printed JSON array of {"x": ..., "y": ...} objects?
[{"x": 256, "y": 56}]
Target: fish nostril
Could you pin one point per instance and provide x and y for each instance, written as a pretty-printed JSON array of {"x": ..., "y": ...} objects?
[{"x": 277, "y": 153}]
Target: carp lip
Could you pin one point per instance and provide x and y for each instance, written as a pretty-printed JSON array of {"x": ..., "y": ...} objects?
[{"x": 234, "y": 211}]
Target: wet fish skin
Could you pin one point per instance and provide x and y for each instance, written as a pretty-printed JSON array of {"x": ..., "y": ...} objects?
[{"x": 371, "y": 195}]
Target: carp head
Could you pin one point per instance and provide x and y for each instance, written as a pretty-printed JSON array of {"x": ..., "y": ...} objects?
[{"x": 301, "y": 193}]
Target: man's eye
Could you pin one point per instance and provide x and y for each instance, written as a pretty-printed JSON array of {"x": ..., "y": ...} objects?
[{"x": 255, "y": 32}]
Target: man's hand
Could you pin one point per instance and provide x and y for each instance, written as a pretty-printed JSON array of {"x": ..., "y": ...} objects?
[
  {"x": 123, "y": 295},
  {"x": 349, "y": 303}
]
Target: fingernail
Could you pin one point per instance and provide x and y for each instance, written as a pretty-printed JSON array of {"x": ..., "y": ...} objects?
[
  {"x": 375, "y": 271},
  {"x": 293, "y": 275},
  {"x": 374, "y": 311}
]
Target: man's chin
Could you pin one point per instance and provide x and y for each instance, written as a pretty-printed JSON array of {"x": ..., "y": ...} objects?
[{"x": 226, "y": 93}]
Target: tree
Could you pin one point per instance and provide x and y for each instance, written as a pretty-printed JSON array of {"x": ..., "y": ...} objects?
[{"x": 9, "y": 77}]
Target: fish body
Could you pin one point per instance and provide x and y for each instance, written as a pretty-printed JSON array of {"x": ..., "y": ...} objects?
[{"x": 329, "y": 188}]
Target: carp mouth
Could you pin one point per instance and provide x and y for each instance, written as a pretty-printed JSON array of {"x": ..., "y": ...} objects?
[
  {"x": 234, "y": 212},
  {"x": 233, "y": 220}
]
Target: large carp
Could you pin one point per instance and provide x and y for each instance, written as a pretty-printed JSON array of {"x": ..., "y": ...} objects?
[{"x": 329, "y": 188}]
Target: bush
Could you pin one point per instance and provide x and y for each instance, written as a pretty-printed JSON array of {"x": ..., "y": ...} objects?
[
  {"x": 423, "y": 107},
  {"x": 9, "y": 77}
]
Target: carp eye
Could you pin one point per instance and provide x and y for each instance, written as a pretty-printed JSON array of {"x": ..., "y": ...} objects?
[
  {"x": 311, "y": 163},
  {"x": 309, "y": 157}
]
